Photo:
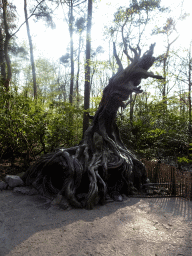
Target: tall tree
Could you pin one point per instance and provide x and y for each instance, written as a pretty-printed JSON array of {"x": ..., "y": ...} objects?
[
  {"x": 167, "y": 30},
  {"x": 31, "y": 50},
  {"x": 189, "y": 93},
  {"x": 2, "y": 62},
  {"x": 87, "y": 67},
  {"x": 6, "y": 43},
  {"x": 7, "y": 25},
  {"x": 80, "y": 26},
  {"x": 71, "y": 18},
  {"x": 184, "y": 76},
  {"x": 64, "y": 60},
  {"x": 72, "y": 4}
]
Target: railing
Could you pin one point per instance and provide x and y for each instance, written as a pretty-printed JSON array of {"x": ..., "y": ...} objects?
[{"x": 179, "y": 182}]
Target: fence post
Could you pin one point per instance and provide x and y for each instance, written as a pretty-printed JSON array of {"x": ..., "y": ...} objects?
[
  {"x": 173, "y": 192},
  {"x": 156, "y": 173},
  {"x": 191, "y": 189}
]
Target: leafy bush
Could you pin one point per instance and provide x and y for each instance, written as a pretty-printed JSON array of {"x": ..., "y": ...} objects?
[
  {"x": 184, "y": 160},
  {"x": 153, "y": 134},
  {"x": 31, "y": 127}
]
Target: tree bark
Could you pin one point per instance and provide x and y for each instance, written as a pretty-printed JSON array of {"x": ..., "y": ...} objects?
[
  {"x": 71, "y": 49},
  {"x": 6, "y": 43},
  {"x": 189, "y": 94},
  {"x": 31, "y": 51},
  {"x": 78, "y": 70},
  {"x": 87, "y": 68},
  {"x": 2, "y": 59}
]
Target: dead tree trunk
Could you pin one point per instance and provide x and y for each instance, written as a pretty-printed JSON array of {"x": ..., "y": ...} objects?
[{"x": 100, "y": 164}]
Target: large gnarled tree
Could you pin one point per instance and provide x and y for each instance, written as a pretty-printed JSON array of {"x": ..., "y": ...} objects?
[{"x": 100, "y": 164}]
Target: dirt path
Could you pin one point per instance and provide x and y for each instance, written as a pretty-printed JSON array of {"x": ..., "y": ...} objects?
[{"x": 137, "y": 226}]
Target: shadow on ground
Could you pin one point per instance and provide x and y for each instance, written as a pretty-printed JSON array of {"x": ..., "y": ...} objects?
[{"x": 137, "y": 226}]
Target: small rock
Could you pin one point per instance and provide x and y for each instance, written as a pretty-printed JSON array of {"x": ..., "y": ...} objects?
[
  {"x": 26, "y": 191},
  {"x": 13, "y": 181},
  {"x": 166, "y": 226},
  {"x": 3, "y": 185}
]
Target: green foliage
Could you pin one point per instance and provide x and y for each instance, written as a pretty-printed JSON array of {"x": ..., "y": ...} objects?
[
  {"x": 29, "y": 127},
  {"x": 155, "y": 131},
  {"x": 60, "y": 130},
  {"x": 184, "y": 160},
  {"x": 95, "y": 102}
]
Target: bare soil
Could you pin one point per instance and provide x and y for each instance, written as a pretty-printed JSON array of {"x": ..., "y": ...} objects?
[{"x": 30, "y": 225}]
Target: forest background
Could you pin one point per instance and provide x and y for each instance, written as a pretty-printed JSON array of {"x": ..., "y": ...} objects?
[{"x": 56, "y": 57}]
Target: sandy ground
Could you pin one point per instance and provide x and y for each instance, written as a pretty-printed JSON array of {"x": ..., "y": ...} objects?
[{"x": 29, "y": 226}]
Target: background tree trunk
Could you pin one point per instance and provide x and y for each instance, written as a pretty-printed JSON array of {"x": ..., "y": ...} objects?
[
  {"x": 31, "y": 51},
  {"x": 87, "y": 68},
  {"x": 71, "y": 49},
  {"x": 189, "y": 94},
  {"x": 6, "y": 43},
  {"x": 78, "y": 70},
  {"x": 2, "y": 59},
  {"x": 80, "y": 26}
]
